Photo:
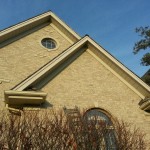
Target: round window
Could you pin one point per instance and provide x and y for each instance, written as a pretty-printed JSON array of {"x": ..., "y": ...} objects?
[{"x": 49, "y": 43}]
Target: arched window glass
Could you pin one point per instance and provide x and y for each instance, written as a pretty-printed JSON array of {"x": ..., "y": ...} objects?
[
  {"x": 98, "y": 115},
  {"x": 103, "y": 119}
]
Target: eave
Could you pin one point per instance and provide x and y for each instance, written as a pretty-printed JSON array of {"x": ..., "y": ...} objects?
[
  {"x": 22, "y": 29},
  {"x": 112, "y": 64}
]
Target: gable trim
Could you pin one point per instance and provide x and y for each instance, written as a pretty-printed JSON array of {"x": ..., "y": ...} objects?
[
  {"x": 115, "y": 73},
  {"x": 124, "y": 74},
  {"x": 121, "y": 71},
  {"x": 45, "y": 18},
  {"x": 51, "y": 65},
  {"x": 59, "y": 24}
]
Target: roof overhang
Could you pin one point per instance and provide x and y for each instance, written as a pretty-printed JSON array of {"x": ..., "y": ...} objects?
[
  {"x": 118, "y": 69},
  {"x": 24, "y": 28}
]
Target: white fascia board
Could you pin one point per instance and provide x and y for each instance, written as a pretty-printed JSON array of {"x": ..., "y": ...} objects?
[
  {"x": 24, "y": 23},
  {"x": 65, "y": 25},
  {"x": 50, "y": 65},
  {"x": 121, "y": 66}
]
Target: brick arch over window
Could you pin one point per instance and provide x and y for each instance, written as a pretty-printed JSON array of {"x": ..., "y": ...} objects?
[{"x": 105, "y": 119}]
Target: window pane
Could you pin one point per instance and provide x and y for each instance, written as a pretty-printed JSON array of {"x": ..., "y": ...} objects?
[
  {"x": 109, "y": 137},
  {"x": 98, "y": 115},
  {"x": 48, "y": 43}
]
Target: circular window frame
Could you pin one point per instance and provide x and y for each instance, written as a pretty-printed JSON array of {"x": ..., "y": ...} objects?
[{"x": 51, "y": 38}]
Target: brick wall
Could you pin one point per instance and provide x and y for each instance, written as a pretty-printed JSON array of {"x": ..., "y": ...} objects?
[
  {"x": 86, "y": 83},
  {"x": 26, "y": 55}
]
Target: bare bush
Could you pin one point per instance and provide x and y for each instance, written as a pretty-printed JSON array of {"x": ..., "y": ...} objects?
[
  {"x": 129, "y": 137},
  {"x": 52, "y": 130}
]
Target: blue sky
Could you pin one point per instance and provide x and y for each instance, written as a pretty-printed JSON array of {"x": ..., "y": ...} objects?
[{"x": 110, "y": 23}]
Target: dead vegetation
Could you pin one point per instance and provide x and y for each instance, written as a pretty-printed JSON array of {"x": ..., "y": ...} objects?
[{"x": 47, "y": 130}]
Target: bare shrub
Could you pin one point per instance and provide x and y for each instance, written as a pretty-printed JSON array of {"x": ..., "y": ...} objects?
[
  {"x": 129, "y": 137},
  {"x": 52, "y": 130}
]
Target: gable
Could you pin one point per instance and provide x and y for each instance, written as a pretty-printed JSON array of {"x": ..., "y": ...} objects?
[
  {"x": 87, "y": 83},
  {"x": 22, "y": 52},
  {"x": 20, "y": 30},
  {"x": 125, "y": 75},
  {"x": 26, "y": 55},
  {"x": 84, "y": 82}
]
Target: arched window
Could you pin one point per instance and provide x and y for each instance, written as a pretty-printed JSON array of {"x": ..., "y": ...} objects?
[{"x": 102, "y": 119}]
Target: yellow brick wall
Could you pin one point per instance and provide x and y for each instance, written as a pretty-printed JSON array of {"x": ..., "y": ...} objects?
[
  {"x": 26, "y": 55},
  {"x": 86, "y": 83}
]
